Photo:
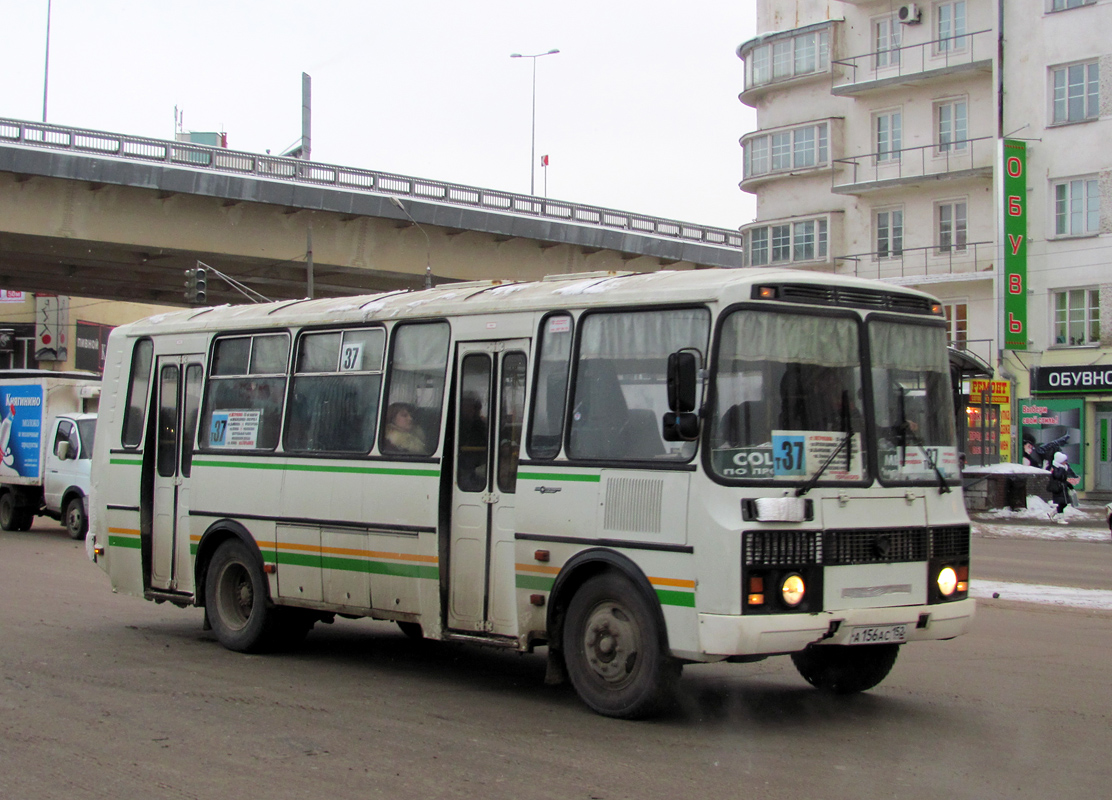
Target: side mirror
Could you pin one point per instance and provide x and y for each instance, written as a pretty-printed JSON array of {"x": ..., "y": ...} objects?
[
  {"x": 683, "y": 376},
  {"x": 62, "y": 450}
]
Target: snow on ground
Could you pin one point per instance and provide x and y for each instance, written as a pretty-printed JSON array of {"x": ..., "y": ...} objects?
[
  {"x": 1004, "y": 469},
  {"x": 1048, "y": 595}
]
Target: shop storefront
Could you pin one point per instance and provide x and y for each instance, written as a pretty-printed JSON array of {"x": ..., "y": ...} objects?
[{"x": 1074, "y": 400}]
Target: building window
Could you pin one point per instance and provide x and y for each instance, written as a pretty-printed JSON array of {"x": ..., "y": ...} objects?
[
  {"x": 789, "y": 57},
  {"x": 952, "y": 227},
  {"x": 886, "y": 38},
  {"x": 1076, "y": 92},
  {"x": 804, "y": 240},
  {"x": 1062, "y": 5},
  {"x": 953, "y": 126},
  {"x": 758, "y": 247},
  {"x": 798, "y": 148},
  {"x": 1077, "y": 317},
  {"x": 781, "y": 243},
  {"x": 950, "y": 26},
  {"x": 889, "y": 136},
  {"x": 957, "y": 323},
  {"x": 781, "y": 151},
  {"x": 889, "y": 233},
  {"x": 1077, "y": 207}
]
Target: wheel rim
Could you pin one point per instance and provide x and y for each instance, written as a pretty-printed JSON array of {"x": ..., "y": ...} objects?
[
  {"x": 74, "y": 519},
  {"x": 236, "y": 596},
  {"x": 612, "y": 644}
]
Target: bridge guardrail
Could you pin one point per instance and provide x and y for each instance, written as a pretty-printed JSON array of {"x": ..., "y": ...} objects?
[{"x": 187, "y": 154}]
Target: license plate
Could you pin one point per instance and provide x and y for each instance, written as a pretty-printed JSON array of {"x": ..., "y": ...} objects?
[{"x": 878, "y": 634}]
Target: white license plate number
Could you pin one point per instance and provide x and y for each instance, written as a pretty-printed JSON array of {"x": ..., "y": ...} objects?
[{"x": 878, "y": 634}]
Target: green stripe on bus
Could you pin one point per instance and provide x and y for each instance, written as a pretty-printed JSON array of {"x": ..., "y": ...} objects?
[
  {"x": 360, "y": 565},
  {"x": 126, "y": 462},
  {"x": 420, "y": 473},
  {"x": 124, "y": 541},
  {"x": 670, "y": 598},
  {"x": 557, "y": 476},
  {"x": 535, "y": 582}
]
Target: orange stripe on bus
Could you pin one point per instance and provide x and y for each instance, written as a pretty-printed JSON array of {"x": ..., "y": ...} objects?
[
  {"x": 672, "y": 582},
  {"x": 538, "y": 568}
]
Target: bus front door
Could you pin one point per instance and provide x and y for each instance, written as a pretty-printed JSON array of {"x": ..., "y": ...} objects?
[
  {"x": 177, "y": 400},
  {"x": 490, "y": 405}
]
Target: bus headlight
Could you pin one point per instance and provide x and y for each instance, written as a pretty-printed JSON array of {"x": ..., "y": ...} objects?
[
  {"x": 792, "y": 589},
  {"x": 947, "y": 581}
]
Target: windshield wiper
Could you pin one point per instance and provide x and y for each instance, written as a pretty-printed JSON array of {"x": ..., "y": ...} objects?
[
  {"x": 906, "y": 432},
  {"x": 847, "y": 426}
]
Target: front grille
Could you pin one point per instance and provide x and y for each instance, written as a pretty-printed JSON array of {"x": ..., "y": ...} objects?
[
  {"x": 781, "y": 548},
  {"x": 875, "y": 546},
  {"x": 951, "y": 542}
]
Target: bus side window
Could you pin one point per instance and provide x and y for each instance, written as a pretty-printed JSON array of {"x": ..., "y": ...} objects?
[
  {"x": 550, "y": 396},
  {"x": 246, "y": 392},
  {"x": 418, "y": 363},
  {"x": 137, "y": 391},
  {"x": 620, "y": 393},
  {"x": 333, "y": 403}
]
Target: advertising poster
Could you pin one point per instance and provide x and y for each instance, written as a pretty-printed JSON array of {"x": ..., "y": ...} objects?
[
  {"x": 20, "y": 430},
  {"x": 1046, "y": 419}
]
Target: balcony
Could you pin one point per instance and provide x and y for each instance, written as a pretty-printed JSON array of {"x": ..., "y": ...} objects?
[
  {"x": 914, "y": 265},
  {"x": 964, "y": 158},
  {"x": 914, "y": 63}
]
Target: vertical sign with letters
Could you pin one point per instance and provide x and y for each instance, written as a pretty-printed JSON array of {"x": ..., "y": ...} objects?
[{"x": 1015, "y": 245}]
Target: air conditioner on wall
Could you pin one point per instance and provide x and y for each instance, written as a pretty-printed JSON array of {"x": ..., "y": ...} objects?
[{"x": 910, "y": 14}]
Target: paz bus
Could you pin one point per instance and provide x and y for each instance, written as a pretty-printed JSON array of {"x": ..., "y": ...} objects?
[{"x": 636, "y": 471}]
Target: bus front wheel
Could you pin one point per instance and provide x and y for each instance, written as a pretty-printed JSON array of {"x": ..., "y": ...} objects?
[
  {"x": 842, "y": 669},
  {"x": 236, "y": 599},
  {"x": 613, "y": 651}
]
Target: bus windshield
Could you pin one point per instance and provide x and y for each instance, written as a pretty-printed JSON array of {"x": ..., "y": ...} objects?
[
  {"x": 788, "y": 394},
  {"x": 912, "y": 403}
]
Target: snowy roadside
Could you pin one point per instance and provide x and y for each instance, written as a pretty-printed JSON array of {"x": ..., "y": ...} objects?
[{"x": 1085, "y": 524}]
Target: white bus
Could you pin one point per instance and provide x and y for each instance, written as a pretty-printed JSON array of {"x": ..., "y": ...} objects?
[{"x": 638, "y": 471}]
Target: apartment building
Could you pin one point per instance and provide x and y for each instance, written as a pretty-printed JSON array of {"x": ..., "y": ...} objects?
[{"x": 878, "y": 153}]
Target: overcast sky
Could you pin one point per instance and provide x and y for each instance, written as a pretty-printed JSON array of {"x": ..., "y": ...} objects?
[{"x": 638, "y": 111}]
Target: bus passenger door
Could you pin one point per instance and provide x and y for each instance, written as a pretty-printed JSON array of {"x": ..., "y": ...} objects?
[
  {"x": 490, "y": 405},
  {"x": 178, "y": 398}
]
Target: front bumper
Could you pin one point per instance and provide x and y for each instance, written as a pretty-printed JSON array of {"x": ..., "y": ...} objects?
[{"x": 723, "y": 636}]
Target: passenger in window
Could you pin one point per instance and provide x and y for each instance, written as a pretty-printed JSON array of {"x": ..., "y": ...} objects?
[{"x": 403, "y": 435}]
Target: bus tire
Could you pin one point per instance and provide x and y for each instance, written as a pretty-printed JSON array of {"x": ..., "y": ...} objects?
[
  {"x": 236, "y": 599},
  {"x": 844, "y": 669},
  {"x": 74, "y": 518},
  {"x": 412, "y": 630},
  {"x": 613, "y": 650}
]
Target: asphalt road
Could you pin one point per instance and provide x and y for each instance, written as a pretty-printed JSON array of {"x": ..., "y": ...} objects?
[
  {"x": 1082, "y": 565},
  {"x": 103, "y": 696}
]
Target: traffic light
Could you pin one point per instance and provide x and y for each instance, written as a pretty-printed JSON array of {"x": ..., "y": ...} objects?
[
  {"x": 200, "y": 285},
  {"x": 190, "y": 285}
]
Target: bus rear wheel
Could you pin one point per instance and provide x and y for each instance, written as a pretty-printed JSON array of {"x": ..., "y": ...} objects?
[
  {"x": 842, "y": 669},
  {"x": 236, "y": 599},
  {"x": 613, "y": 650}
]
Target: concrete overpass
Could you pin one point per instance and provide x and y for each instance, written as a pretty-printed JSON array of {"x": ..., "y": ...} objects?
[{"x": 98, "y": 214}]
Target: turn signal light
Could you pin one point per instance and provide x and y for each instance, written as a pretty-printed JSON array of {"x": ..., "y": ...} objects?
[
  {"x": 963, "y": 579},
  {"x": 756, "y": 591}
]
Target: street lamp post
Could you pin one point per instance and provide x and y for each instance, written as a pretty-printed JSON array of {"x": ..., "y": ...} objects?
[{"x": 533, "y": 145}]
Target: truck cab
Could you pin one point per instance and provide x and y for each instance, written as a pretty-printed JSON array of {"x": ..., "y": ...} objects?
[{"x": 66, "y": 477}]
